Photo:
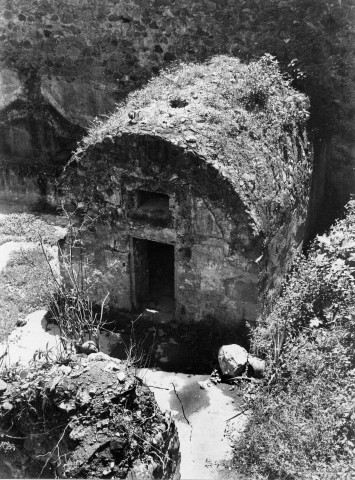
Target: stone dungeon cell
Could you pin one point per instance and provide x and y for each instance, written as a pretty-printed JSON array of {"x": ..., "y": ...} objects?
[
  {"x": 172, "y": 248},
  {"x": 195, "y": 216}
]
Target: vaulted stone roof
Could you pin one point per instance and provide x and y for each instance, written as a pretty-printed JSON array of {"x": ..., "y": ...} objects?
[{"x": 244, "y": 120}]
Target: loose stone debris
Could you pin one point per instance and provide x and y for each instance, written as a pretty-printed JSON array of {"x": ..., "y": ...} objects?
[{"x": 80, "y": 419}]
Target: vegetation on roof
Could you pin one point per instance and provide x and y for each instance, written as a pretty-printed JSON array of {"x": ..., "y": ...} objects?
[{"x": 245, "y": 120}]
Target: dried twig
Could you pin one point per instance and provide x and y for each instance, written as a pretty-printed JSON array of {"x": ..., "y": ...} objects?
[
  {"x": 237, "y": 415},
  {"x": 56, "y": 447},
  {"x": 248, "y": 379},
  {"x": 160, "y": 388}
]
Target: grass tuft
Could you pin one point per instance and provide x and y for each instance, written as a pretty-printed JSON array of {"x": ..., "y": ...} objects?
[{"x": 26, "y": 282}]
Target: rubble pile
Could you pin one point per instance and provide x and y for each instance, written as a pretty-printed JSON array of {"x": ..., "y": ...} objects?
[{"x": 85, "y": 417}]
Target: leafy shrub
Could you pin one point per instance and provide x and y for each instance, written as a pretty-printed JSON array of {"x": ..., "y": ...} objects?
[
  {"x": 71, "y": 306},
  {"x": 303, "y": 421}
]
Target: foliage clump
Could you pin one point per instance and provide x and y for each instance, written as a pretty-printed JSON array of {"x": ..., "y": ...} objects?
[{"x": 303, "y": 422}]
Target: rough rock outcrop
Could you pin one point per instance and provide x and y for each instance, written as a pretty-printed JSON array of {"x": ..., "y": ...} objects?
[{"x": 88, "y": 417}]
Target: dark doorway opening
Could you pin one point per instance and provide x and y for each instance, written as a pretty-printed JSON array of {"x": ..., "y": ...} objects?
[{"x": 154, "y": 268}]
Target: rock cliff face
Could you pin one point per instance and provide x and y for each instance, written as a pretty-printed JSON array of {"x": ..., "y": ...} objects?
[{"x": 85, "y": 56}]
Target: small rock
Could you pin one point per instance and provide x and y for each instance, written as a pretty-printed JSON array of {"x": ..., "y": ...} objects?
[
  {"x": 65, "y": 369},
  {"x": 3, "y": 387},
  {"x": 92, "y": 391},
  {"x": 55, "y": 382},
  {"x": 7, "y": 406},
  {"x": 157, "y": 439},
  {"x": 67, "y": 406},
  {"x": 83, "y": 397},
  {"x": 88, "y": 347},
  {"x": 204, "y": 385},
  {"x": 101, "y": 356},
  {"x": 21, "y": 322},
  {"x": 121, "y": 376},
  {"x": 111, "y": 367},
  {"x": 232, "y": 359},
  {"x": 78, "y": 433},
  {"x": 162, "y": 427},
  {"x": 24, "y": 373},
  {"x": 257, "y": 365}
]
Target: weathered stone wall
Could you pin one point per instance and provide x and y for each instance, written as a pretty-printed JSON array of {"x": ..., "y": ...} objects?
[
  {"x": 249, "y": 176},
  {"x": 82, "y": 56},
  {"x": 222, "y": 269},
  {"x": 278, "y": 256},
  {"x": 215, "y": 271}
]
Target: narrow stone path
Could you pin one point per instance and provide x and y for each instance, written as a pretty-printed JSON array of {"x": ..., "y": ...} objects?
[{"x": 201, "y": 416}]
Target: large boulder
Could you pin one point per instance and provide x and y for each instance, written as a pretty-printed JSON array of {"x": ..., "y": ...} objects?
[
  {"x": 232, "y": 360},
  {"x": 87, "y": 417}
]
